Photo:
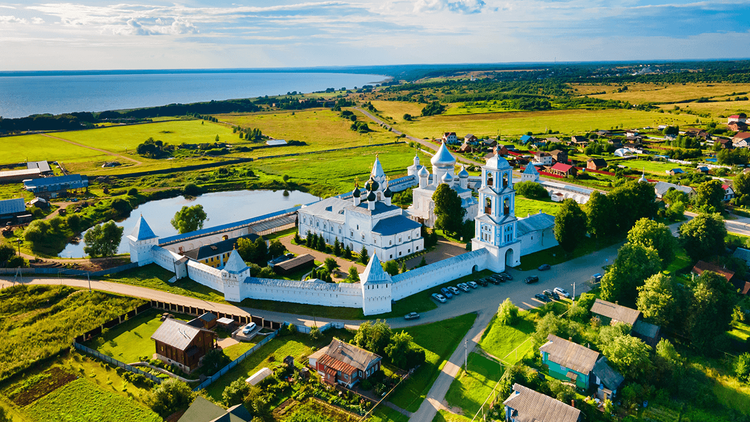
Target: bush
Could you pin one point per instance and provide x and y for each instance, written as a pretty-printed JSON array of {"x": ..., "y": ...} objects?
[
  {"x": 132, "y": 191},
  {"x": 191, "y": 189},
  {"x": 366, "y": 385},
  {"x": 16, "y": 262},
  {"x": 170, "y": 396},
  {"x": 531, "y": 190},
  {"x": 235, "y": 392},
  {"x": 507, "y": 314}
]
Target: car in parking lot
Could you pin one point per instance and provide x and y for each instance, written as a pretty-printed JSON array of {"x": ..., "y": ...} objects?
[
  {"x": 531, "y": 279},
  {"x": 482, "y": 282},
  {"x": 473, "y": 284},
  {"x": 493, "y": 280},
  {"x": 544, "y": 267},
  {"x": 506, "y": 275},
  {"x": 446, "y": 292},
  {"x": 249, "y": 328},
  {"x": 454, "y": 290},
  {"x": 542, "y": 298},
  {"x": 550, "y": 294},
  {"x": 440, "y": 298},
  {"x": 411, "y": 315},
  {"x": 463, "y": 287},
  {"x": 562, "y": 292}
]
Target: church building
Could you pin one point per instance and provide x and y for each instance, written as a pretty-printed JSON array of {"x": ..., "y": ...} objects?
[
  {"x": 443, "y": 172},
  {"x": 368, "y": 219}
]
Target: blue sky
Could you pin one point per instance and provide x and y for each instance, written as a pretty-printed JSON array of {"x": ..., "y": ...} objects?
[{"x": 300, "y": 33}]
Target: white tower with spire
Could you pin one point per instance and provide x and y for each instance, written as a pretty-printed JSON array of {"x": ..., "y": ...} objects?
[
  {"x": 376, "y": 288},
  {"x": 232, "y": 275},
  {"x": 141, "y": 239},
  {"x": 496, "y": 221}
]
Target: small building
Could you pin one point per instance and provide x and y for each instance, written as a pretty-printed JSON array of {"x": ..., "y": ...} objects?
[
  {"x": 11, "y": 208},
  {"x": 737, "y": 118},
  {"x": 471, "y": 139},
  {"x": 727, "y": 143},
  {"x": 530, "y": 174},
  {"x": 14, "y": 176},
  {"x": 728, "y": 192},
  {"x": 579, "y": 141},
  {"x": 42, "y": 166},
  {"x": 202, "y": 410},
  {"x": 344, "y": 363},
  {"x": 225, "y": 323},
  {"x": 606, "y": 379},
  {"x": 564, "y": 170},
  {"x": 741, "y": 136},
  {"x": 526, "y": 405},
  {"x": 675, "y": 171},
  {"x": 543, "y": 158},
  {"x": 276, "y": 142},
  {"x": 612, "y": 313},
  {"x": 595, "y": 164},
  {"x": 559, "y": 155},
  {"x": 52, "y": 187},
  {"x": 569, "y": 361},
  {"x": 702, "y": 266},
  {"x": 737, "y": 126},
  {"x": 181, "y": 344},
  {"x": 259, "y": 376},
  {"x": 703, "y": 169},
  {"x": 216, "y": 254},
  {"x": 450, "y": 138},
  {"x": 466, "y": 147},
  {"x": 289, "y": 361},
  {"x": 662, "y": 188},
  {"x": 206, "y": 320},
  {"x": 698, "y": 133},
  {"x": 537, "y": 232},
  {"x": 295, "y": 264}
]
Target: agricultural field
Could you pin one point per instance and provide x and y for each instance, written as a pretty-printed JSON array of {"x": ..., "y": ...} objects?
[
  {"x": 320, "y": 128},
  {"x": 638, "y": 93},
  {"x": 396, "y": 109},
  {"x": 18, "y": 149},
  {"x": 81, "y": 401},
  {"x": 718, "y": 110},
  {"x": 470, "y": 389},
  {"x": 515, "y": 124}
]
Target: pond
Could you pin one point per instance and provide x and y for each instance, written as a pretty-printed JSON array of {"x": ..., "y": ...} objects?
[{"x": 221, "y": 207}]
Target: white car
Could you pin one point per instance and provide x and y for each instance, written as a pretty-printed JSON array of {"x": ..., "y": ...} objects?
[
  {"x": 463, "y": 287},
  {"x": 454, "y": 290},
  {"x": 440, "y": 298},
  {"x": 249, "y": 328},
  {"x": 473, "y": 284},
  {"x": 562, "y": 292}
]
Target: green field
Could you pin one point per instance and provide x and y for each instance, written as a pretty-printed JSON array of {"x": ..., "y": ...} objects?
[
  {"x": 526, "y": 206},
  {"x": 655, "y": 167},
  {"x": 472, "y": 387},
  {"x": 638, "y": 93},
  {"x": 718, "y": 110},
  {"x": 509, "y": 343},
  {"x": 446, "y": 416},
  {"x": 396, "y": 109},
  {"x": 82, "y": 401},
  {"x": 514, "y": 124},
  {"x": 439, "y": 340},
  {"x": 17, "y": 149}
]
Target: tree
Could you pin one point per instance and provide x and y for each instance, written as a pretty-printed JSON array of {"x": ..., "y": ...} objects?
[
  {"x": 703, "y": 236},
  {"x": 189, "y": 219},
  {"x": 170, "y": 396},
  {"x": 337, "y": 247},
  {"x": 581, "y": 308},
  {"x": 668, "y": 362},
  {"x": 675, "y": 211},
  {"x": 656, "y": 299},
  {"x": 531, "y": 190},
  {"x": 36, "y": 231},
  {"x": 373, "y": 336},
  {"x": 403, "y": 267},
  {"x": 654, "y": 235},
  {"x": 348, "y": 252},
  {"x": 103, "y": 239},
  {"x": 599, "y": 218},
  {"x": 398, "y": 349},
  {"x": 391, "y": 267},
  {"x": 570, "y": 225},
  {"x": 257, "y": 404},
  {"x": 628, "y": 355},
  {"x": 741, "y": 185},
  {"x": 330, "y": 264},
  {"x": 253, "y": 251},
  {"x": 742, "y": 367},
  {"x": 630, "y": 202},
  {"x": 74, "y": 222},
  {"x": 711, "y": 310},
  {"x": 6, "y": 252},
  {"x": 276, "y": 249},
  {"x": 364, "y": 258},
  {"x": 235, "y": 392},
  {"x": 709, "y": 196},
  {"x": 634, "y": 263},
  {"x": 353, "y": 276},
  {"x": 448, "y": 210},
  {"x": 673, "y": 195},
  {"x": 191, "y": 189},
  {"x": 507, "y": 313}
]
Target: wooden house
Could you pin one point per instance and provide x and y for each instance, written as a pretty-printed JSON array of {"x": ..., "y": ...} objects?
[
  {"x": 559, "y": 155},
  {"x": 595, "y": 164},
  {"x": 564, "y": 170},
  {"x": 525, "y": 404},
  {"x": 181, "y": 344},
  {"x": 612, "y": 313},
  {"x": 344, "y": 363}
]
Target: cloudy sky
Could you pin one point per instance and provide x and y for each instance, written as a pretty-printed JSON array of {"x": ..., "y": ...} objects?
[{"x": 153, "y": 34}]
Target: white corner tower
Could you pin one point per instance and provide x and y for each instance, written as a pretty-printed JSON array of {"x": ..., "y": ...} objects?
[
  {"x": 141, "y": 240},
  {"x": 376, "y": 288},
  {"x": 496, "y": 220},
  {"x": 233, "y": 275}
]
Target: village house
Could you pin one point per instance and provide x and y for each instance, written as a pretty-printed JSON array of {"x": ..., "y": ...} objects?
[
  {"x": 736, "y": 126},
  {"x": 703, "y": 169},
  {"x": 206, "y": 320},
  {"x": 595, "y": 164},
  {"x": 579, "y": 141},
  {"x": 344, "y": 363},
  {"x": 466, "y": 147},
  {"x": 543, "y": 158},
  {"x": 471, "y": 139},
  {"x": 216, "y": 254},
  {"x": 525, "y": 405},
  {"x": 662, "y": 188},
  {"x": 742, "y": 143},
  {"x": 675, "y": 171},
  {"x": 611, "y": 313},
  {"x": 737, "y": 118},
  {"x": 741, "y": 136},
  {"x": 698, "y": 133},
  {"x": 702, "y": 266},
  {"x": 564, "y": 170},
  {"x": 571, "y": 362},
  {"x": 559, "y": 156},
  {"x": 727, "y": 143},
  {"x": 728, "y": 193},
  {"x": 181, "y": 344},
  {"x": 450, "y": 138}
]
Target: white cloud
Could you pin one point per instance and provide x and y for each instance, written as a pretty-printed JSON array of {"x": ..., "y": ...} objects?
[
  {"x": 12, "y": 19},
  {"x": 37, "y": 21},
  {"x": 458, "y": 6}
]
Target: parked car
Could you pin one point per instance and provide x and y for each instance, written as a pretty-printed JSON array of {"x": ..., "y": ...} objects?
[
  {"x": 440, "y": 298},
  {"x": 473, "y": 284},
  {"x": 506, "y": 275},
  {"x": 411, "y": 315},
  {"x": 446, "y": 292},
  {"x": 596, "y": 278},
  {"x": 531, "y": 279},
  {"x": 463, "y": 287},
  {"x": 249, "y": 328},
  {"x": 562, "y": 292},
  {"x": 551, "y": 294},
  {"x": 542, "y": 298},
  {"x": 493, "y": 280},
  {"x": 501, "y": 278},
  {"x": 454, "y": 290},
  {"x": 544, "y": 267},
  {"x": 482, "y": 282}
]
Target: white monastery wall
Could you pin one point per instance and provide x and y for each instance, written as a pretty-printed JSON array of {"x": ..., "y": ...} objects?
[
  {"x": 309, "y": 292},
  {"x": 420, "y": 279},
  {"x": 205, "y": 275}
]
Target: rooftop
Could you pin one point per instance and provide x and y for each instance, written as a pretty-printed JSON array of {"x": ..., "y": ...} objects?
[
  {"x": 615, "y": 312},
  {"x": 177, "y": 334},
  {"x": 393, "y": 225},
  {"x": 72, "y": 179},
  {"x": 12, "y": 206},
  {"x": 350, "y": 354},
  {"x": 570, "y": 355},
  {"x": 530, "y": 406},
  {"x": 534, "y": 222},
  {"x": 218, "y": 248},
  {"x": 142, "y": 231},
  {"x": 702, "y": 266}
]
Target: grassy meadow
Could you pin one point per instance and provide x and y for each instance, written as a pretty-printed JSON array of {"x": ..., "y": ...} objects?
[
  {"x": 526, "y": 206},
  {"x": 656, "y": 167},
  {"x": 18, "y": 149},
  {"x": 662, "y": 92},
  {"x": 509, "y": 343},
  {"x": 718, "y": 110},
  {"x": 470, "y": 389}
]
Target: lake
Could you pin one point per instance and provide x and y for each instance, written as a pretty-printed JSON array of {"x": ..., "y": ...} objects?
[
  {"x": 221, "y": 207},
  {"x": 26, "y": 93}
]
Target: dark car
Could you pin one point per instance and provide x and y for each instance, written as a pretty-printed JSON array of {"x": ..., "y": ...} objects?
[
  {"x": 551, "y": 294},
  {"x": 506, "y": 275},
  {"x": 499, "y": 278},
  {"x": 544, "y": 267},
  {"x": 447, "y": 293},
  {"x": 482, "y": 282},
  {"x": 411, "y": 315},
  {"x": 493, "y": 280},
  {"x": 542, "y": 298},
  {"x": 531, "y": 279}
]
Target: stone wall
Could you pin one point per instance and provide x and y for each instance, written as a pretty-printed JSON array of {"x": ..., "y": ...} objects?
[
  {"x": 308, "y": 292},
  {"x": 420, "y": 279}
]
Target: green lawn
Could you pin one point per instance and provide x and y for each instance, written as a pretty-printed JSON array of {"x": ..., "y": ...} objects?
[
  {"x": 656, "y": 167},
  {"x": 233, "y": 352},
  {"x": 82, "y": 401},
  {"x": 446, "y": 416},
  {"x": 131, "y": 340},
  {"x": 503, "y": 341},
  {"x": 472, "y": 387},
  {"x": 526, "y": 206},
  {"x": 439, "y": 340},
  {"x": 155, "y": 277},
  {"x": 37, "y": 147},
  {"x": 681, "y": 261}
]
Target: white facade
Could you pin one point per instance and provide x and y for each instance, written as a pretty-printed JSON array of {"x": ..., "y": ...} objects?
[{"x": 443, "y": 172}]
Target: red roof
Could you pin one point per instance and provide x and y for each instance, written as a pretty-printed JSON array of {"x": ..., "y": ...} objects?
[
  {"x": 562, "y": 167},
  {"x": 725, "y": 187},
  {"x": 746, "y": 288},
  {"x": 734, "y": 116},
  {"x": 701, "y": 266},
  {"x": 332, "y": 363},
  {"x": 742, "y": 135}
]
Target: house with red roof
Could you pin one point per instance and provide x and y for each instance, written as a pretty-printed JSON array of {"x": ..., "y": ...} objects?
[
  {"x": 450, "y": 138},
  {"x": 344, "y": 363},
  {"x": 728, "y": 192},
  {"x": 563, "y": 170},
  {"x": 737, "y": 118}
]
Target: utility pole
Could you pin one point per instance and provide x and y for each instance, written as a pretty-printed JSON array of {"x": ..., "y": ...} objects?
[
  {"x": 88, "y": 276},
  {"x": 466, "y": 353},
  {"x": 574, "y": 291}
]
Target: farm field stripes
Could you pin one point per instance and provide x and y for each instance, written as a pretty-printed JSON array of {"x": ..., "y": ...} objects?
[
  {"x": 16, "y": 149},
  {"x": 649, "y": 92}
]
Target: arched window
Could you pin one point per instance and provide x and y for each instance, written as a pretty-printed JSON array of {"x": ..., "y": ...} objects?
[
  {"x": 506, "y": 206},
  {"x": 505, "y": 180},
  {"x": 487, "y": 206},
  {"x": 489, "y": 180}
]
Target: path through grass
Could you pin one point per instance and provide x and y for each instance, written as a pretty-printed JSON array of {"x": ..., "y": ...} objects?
[{"x": 472, "y": 387}]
